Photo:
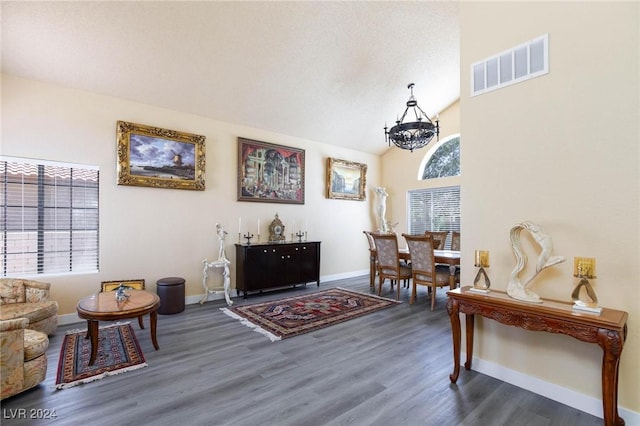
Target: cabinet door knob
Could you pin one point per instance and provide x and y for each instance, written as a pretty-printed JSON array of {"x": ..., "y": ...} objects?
[{"x": 265, "y": 251}]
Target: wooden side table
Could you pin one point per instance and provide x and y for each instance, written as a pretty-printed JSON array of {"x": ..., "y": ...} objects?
[
  {"x": 105, "y": 307},
  {"x": 608, "y": 330}
]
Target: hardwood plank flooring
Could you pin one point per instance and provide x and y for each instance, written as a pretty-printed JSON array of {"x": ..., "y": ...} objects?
[{"x": 388, "y": 368}]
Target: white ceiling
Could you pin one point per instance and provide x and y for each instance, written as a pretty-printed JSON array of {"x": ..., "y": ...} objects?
[{"x": 332, "y": 72}]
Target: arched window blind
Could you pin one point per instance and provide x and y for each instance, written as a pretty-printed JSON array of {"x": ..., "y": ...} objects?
[
  {"x": 49, "y": 217},
  {"x": 434, "y": 209}
]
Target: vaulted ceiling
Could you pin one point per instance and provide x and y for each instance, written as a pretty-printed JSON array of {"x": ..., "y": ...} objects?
[{"x": 333, "y": 72}]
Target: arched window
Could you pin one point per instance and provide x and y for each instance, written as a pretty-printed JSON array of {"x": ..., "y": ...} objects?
[{"x": 442, "y": 160}]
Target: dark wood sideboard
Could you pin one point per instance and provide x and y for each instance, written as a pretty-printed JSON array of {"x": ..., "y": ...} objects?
[
  {"x": 264, "y": 266},
  {"x": 608, "y": 330}
]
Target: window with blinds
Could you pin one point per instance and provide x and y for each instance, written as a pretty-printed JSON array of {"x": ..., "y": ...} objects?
[
  {"x": 49, "y": 217},
  {"x": 434, "y": 209}
]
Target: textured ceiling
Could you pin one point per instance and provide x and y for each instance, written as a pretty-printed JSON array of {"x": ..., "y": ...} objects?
[{"x": 332, "y": 72}]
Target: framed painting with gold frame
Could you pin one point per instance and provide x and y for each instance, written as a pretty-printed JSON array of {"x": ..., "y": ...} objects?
[
  {"x": 270, "y": 173},
  {"x": 112, "y": 285},
  {"x": 159, "y": 158},
  {"x": 346, "y": 180}
]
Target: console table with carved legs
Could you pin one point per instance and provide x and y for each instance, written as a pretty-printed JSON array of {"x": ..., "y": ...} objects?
[{"x": 608, "y": 330}]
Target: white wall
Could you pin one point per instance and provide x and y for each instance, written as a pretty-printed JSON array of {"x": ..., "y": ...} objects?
[
  {"x": 152, "y": 233},
  {"x": 561, "y": 150}
]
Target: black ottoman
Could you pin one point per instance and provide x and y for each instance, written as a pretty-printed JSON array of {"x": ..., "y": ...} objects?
[{"x": 171, "y": 293}]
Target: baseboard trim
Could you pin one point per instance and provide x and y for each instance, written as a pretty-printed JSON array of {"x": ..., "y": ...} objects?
[{"x": 552, "y": 391}]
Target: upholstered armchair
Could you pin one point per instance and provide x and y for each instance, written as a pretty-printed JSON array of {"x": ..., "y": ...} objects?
[
  {"x": 28, "y": 299},
  {"x": 24, "y": 357}
]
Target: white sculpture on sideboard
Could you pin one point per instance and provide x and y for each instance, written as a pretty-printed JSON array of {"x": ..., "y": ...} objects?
[{"x": 516, "y": 288}]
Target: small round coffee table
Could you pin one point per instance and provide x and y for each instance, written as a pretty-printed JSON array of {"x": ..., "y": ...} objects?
[{"x": 105, "y": 307}]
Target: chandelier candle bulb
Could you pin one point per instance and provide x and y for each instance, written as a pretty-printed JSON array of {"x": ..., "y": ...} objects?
[
  {"x": 584, "y": 267},
  {"x": 482, "y": 258}
]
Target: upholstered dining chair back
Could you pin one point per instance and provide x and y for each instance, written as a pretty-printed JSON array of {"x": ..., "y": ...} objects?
[
  {"x": 455, "y": 241},
  {"x": 370, "y": 240},
  {"x": 373, "y": 259},
  {"x": 439, "y": 238},
  {"x": 389, "y": 266},
  {"x": 424, "y": 270}
]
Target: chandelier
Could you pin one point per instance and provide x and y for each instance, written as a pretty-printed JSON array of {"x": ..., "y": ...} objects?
[{"x": 414, "y": 134}]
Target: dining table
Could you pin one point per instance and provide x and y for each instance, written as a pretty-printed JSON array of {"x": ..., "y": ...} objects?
[{"x": 445, "y": 257}]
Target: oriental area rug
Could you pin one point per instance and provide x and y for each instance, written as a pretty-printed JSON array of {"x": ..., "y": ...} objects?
[
  {"x": 292, "y": 316},
  {"x": 119, "y": 351}
]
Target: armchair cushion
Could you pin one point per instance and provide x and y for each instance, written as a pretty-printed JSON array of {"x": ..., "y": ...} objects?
[
  {"x": 28, "y": 299},
  {"x": 12, "y": 291},
  {"x": 35, "y": 344},
  {"x": 24, "y": 358}
]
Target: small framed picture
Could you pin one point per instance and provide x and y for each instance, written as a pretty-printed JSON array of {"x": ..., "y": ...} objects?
[
  {"x": 159, "y": 158},
  {"x": 346, "y": 180},
  {"x": 112, "y": 285}
]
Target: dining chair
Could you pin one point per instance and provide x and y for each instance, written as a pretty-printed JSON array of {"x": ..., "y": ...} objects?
[
  {"x": 455, "y": 245},
  {"x": 373, "y": 259},
  {"x": 424, "y": 270},
  {"x": 455, "y": 240},
  {"x": 439, "y": 238},
  {"x": 389, "y": 265}
]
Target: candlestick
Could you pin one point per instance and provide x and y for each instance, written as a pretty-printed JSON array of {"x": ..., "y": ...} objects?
[
  {"x": 239, "y": 224},
  {"x": 584, "y": 268},
  {"x": 481, "y": 260}
]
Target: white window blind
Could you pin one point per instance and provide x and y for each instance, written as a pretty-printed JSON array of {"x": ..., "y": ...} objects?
[
  {"x": 434, "y": 209},
  {"x": 49, "y": 217}
]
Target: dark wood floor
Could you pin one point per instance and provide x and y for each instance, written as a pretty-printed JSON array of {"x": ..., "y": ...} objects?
[{"x": 388, "y": 368}]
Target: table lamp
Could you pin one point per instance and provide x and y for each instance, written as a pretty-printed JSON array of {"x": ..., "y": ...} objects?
[
  {"x": 481, "y": 260},
  {"x": 585, "y": 268}
]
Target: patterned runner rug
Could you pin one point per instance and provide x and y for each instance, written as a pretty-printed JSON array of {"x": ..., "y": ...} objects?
[
  {"x": 118, "y": 352},
  {"x": 284, "y": 318}
]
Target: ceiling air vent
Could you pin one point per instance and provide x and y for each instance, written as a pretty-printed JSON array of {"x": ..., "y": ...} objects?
[{"x": 523, "y": 62}]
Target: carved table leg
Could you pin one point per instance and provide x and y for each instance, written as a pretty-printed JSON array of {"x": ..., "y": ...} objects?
[
  {"x": 204, "y": 281},
  {"x": 452, "y": 309},
  {"x": 92, "y": 329},
  {"x": 611, "y": 343},
  {"x": 227, "y": 284},
  {"x": 470, "y": 330},
  {"x": 154, "y": 322}
]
